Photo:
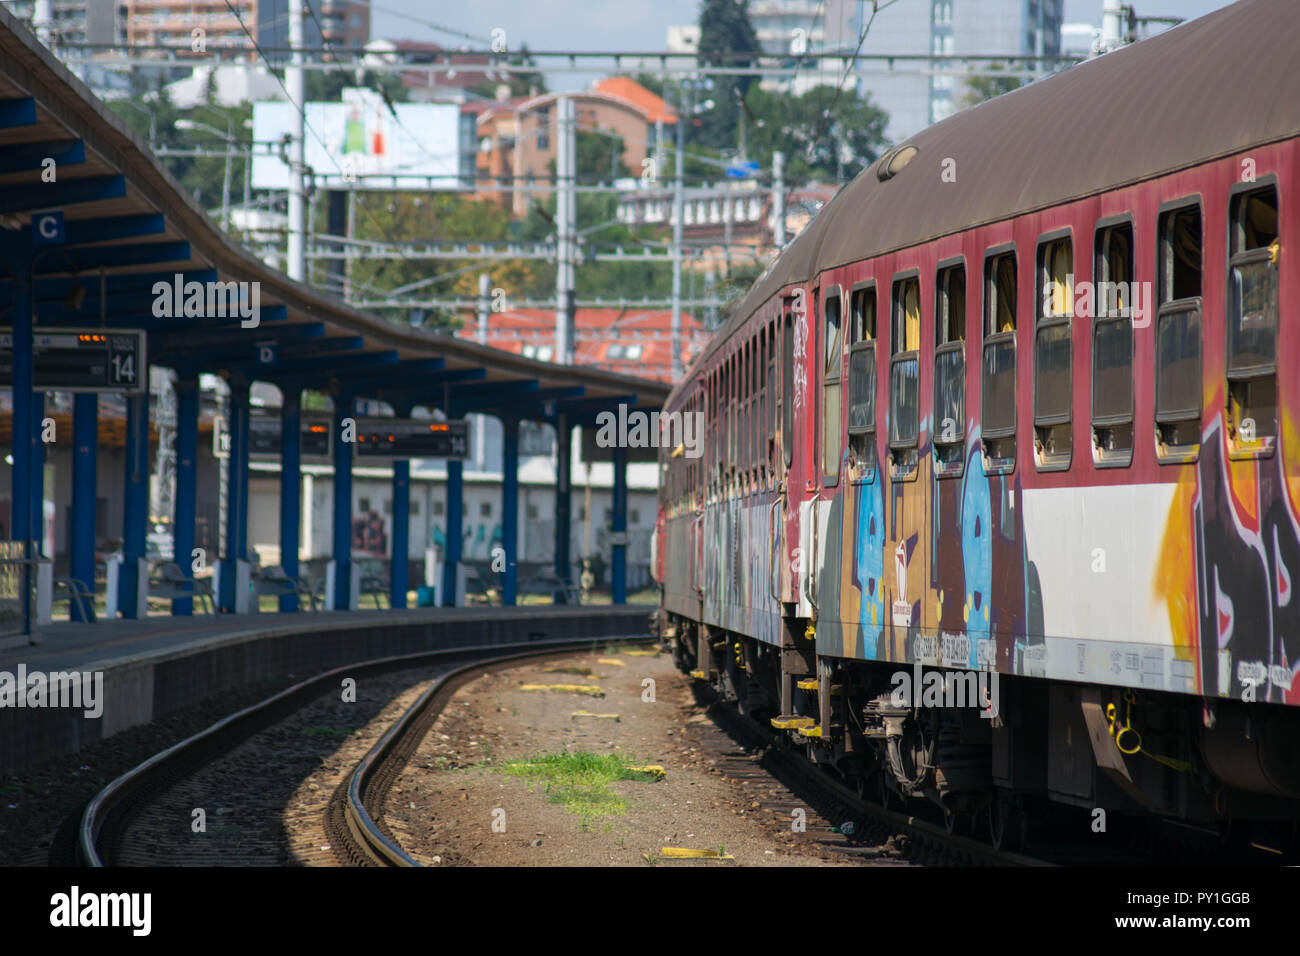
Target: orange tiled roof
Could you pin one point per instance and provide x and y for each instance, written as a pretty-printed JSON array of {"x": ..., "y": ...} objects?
[{"x": 628, "y": 89}]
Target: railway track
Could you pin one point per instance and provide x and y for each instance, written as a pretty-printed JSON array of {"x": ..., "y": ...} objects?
[{"x": 105, "y": 831}]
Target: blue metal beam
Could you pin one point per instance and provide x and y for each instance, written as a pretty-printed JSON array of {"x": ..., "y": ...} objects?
[
  {"x": 342, "y": 507},
  {"x": 187, "y": 461},
  {"x": 563, "y": 501},
  {"x": 210, "y": 346},
  {"x": 536, "y": 399},
  {"x": 290, "y": 489},
  {"x": 618, "y": 545},
  {"x": 65, "y": 192},
  {"x": 20, "y": 508},
  {"x": 86, "y": 258},
  {"x": 331, "y": 363},
  {"x": 399, "y": 573},
  {"x": 236, "y": 484},
  {"x": 38, "y": 473},
  {"x": 468, "y": 398},
  {"x": 136, "y": 511},
  {"x": 23, "y": 156},
  {"x": 20, "y": 111},
  {"x": 510, "y": 508},
  {"x": 423, "y": 392},
  {"x": 455, "y": 537},
  {"x": 85, "y": 444}
]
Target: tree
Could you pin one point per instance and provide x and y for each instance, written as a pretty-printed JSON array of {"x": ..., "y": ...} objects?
[
  {"x": 824, "y": 133},
  {"x": 725, "y": 29},
  {"x": 981, "y": 88}
]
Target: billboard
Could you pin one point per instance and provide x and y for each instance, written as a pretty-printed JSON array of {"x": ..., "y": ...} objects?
[{"x": 360, "y": 143}]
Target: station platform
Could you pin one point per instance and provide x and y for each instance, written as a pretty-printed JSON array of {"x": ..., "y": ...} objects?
[{"x": 139, "y": 670}]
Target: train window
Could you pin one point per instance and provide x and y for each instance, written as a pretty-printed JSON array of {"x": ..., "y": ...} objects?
[
  {"x": 950, "y": 370},
  {"x": 773, "y": 401},
  {"x": 787, "y": 390},
  {"x": 862, "y": 378},
  {"x": 998, "y": 373},
  {"x": 1052, "y": 354},
  {"x": 1178, "y": 336},
  {"x": 1252, "y": 323},
  {"x": 1112, "y": 348},
  {"x": 831, "y": 390},
  {"x": 904, "y": 378}
]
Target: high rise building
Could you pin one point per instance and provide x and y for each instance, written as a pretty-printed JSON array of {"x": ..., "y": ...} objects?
[
  {"x": 75, "y": 22},
  {"x": 228, "y": 26},
  {"x": 913, "y": 99}
]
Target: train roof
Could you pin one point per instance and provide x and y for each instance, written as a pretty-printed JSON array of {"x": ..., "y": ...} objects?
[{"x": 1211, "y": 87}]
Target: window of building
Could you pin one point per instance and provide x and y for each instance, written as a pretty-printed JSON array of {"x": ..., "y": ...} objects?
[
  {"x": 998, "y": 378},
  {"x": 363, "y": 505},
  {"x": 485, "y": 509},
  {"x": 904, "y": 378},
  {"x": 1178, "y": 335},
  {"x": 1052, "y": 353},
  {"x": 831, "y": 389},
  {"x": 950, "y": 371},
  {"x": 439, "y": 508},
  {"x": 862, "y": 377},
  {"x": 1252, "y": 322},
  {"x": 1112, "y": 347}
]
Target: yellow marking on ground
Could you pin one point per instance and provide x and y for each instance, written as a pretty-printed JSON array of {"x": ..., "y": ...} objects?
[
  {"x": 610, "y": 660},
  {"x": 639, "y": 653},
  {"x": 688, "y": 853},
  {"x": 587, "y": 713},
  {"x": 566, "y": 689},
  {"x": 792, "y": 722},
  {"x": 653, "y": 770}
]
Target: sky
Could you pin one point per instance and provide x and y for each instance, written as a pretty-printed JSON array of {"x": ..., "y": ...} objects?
[{"x": 622, "y": 24}]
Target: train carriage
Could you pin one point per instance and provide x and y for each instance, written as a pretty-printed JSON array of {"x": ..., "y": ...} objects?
[{"x": 1017, "y": 413}]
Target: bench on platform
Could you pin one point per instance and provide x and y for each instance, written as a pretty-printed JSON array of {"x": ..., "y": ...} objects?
[{"x": 170, "y": 583}]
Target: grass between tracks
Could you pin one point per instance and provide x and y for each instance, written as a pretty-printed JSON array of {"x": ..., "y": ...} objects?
[{"x": 580, "y": 781}]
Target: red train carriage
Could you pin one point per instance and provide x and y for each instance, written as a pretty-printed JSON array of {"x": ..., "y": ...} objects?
[{"x": 1017, "y": 415}]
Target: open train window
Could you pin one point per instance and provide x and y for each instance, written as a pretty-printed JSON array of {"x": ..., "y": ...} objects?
[
  {"x": 1052, "y": 354},
  {"x": 1178, "y": 335},
  {"x": 904, "y": 378},
  {"x": 1112, "y": 347},
  {"x": 831, "y": 388},
  {"x": 787, "y": 389},
  {"x": 998, "y": 373},
  {"x": 1254, "y": 251},
  {"x": 862, "y": 379},
  {"x": 950, "y": 371}
]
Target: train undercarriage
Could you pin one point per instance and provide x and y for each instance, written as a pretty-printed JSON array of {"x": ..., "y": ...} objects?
[{"x": 996, "y": 757}]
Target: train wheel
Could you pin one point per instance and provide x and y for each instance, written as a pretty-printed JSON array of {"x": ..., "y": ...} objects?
[{"x": 1006, "y": 822}]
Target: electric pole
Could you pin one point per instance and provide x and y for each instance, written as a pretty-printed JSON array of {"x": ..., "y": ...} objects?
[
  {"x": 293, "y": 75},
  {"x": 778, "y": 200},
  {"x": 677, "y": 238},
  {"x": 565, "y": 229}
]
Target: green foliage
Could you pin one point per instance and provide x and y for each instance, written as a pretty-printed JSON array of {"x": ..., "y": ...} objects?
[
  {"x": 725, "y": 28},
  {"x": 981, "y": 88},
  {"x": 580, "y": 781},
  {"x": 824, "y": 136}
]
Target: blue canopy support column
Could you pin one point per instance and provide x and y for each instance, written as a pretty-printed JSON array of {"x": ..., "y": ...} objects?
[
  {"x": 236, "y": 494},
  {"x": 290, "y": 487},
  {"x": 563, "y": 500},
  {"x": 38, "y": 475},
  {"x": 455, "y": 538},
  {"x": 342, "y": 561},
  {"x": 85, "y": 445},
  {"x": 187, "y": 483},
  {"x": 618, "y": 540},
  {"x": 399, "y": 574},
  {"x": 510, "y": 508},
  {"x": 20, "y": 508},
  {"x": 135, "y": 521}
]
